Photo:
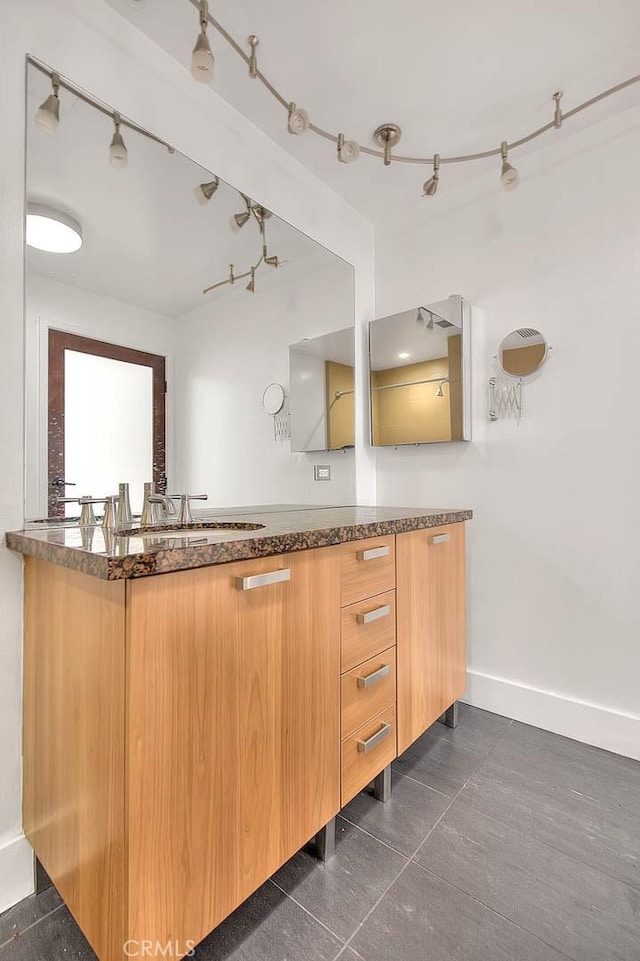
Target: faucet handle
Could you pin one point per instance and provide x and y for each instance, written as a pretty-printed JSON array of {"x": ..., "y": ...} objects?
[
  {"x": 86, "y": 502},
  {"x": 185, "y": 516},
  {"x": 110, "y": 508}
]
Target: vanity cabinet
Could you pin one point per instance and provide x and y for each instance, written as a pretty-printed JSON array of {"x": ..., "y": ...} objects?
[
  {"x": 182, "y": 737},
  {"x": 431, "y": 623},
  {"x": 186, "y": 733},
  {"x": 233, "y": 733}
]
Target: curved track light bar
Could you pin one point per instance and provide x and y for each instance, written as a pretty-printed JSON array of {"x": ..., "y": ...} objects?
[{"x": 372, "y": 152}]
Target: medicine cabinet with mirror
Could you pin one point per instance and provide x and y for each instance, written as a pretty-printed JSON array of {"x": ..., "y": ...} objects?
[
  {"x": 134, "y": 372},
  {"x": 420, "y": 375},
  {"x": 321, "y": 371}
]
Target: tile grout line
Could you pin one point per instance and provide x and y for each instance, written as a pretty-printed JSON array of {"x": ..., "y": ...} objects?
[
  {"x": 29, "y": 927},
  {"x": 634, "y": 885},
  {"x": 402, "y": 870},
  {"x": 408, "y": 860},
  {"x": 424, "y": 840},
  {"x": 631, "y": 884},
  {"x": 340, "y": 940},
  {"x": 374, "y": 838},
  {"x": 498, "y": 914}
]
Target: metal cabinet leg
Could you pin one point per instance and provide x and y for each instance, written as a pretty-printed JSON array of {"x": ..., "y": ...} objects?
[
  {"x": 43, "y": 881},
  {"x": 382, "y": 785},
  {"x": 325, "y": 841},
  {"x": 450, "y": 716}
]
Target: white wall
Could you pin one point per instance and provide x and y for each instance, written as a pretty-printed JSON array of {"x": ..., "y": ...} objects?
[
  {"x": 90, "y": 43},
  {"x": 229, "y": 350},
  {"x": 553, "y": 570},
  {"x": 52, "y": 304}
]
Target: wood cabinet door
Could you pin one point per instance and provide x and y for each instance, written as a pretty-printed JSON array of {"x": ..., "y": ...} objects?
[
  {"x": 233, "y": 734},
  {"x": 431, "y": 626}
]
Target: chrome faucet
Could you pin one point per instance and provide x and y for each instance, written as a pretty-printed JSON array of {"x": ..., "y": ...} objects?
[
  {"x": 155, "y": 507},
  {"x": 167, "y": 505}
]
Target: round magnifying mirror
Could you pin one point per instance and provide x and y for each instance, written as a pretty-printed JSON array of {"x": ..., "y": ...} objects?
[
  {"x": 522, "y": 352},
  {"x": 273, "y": 399}
]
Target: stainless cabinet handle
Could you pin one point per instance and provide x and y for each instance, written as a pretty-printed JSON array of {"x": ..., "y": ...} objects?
[
  {"x": 373, "y": 552},
  {"x": 375, "y": 677},
  {"x": 365, "y": 746},
  {"x": 379, "y": 612},
  {"x": 439, "y": 539},
  {"x": 262, "y": 580}
]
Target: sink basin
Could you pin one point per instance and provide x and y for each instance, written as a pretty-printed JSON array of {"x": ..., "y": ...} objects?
[{"x": 196, "y": 529}]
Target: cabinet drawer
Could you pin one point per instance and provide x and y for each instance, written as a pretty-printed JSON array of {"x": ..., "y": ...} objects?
[
  {"x": 367, "y": 690},
  {"x": 368, "y": 567},
  {"x": 367, "y": 752},
  {"x": 368, "y": 627}
]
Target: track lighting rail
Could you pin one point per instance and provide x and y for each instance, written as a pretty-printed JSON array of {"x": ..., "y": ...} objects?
[
  {"x": 100, "y": 107},
  {"x": 559, "y": 116}
]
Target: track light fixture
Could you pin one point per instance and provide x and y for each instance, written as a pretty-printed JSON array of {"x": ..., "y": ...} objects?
[
  {"x": 440, "y": 392},
  {"x": 238, "y": 221},
  {"x": 202, "y": 56},
  {"x": 298, "y": 121},
  {"x": 48, "y": 114},
  {"x": 430, "y": 188},
  {"x": 253, "y": 57},
  {"x": 557, "y": 113},
  {"x": 261, "y": 214},
  {"x": 420, "y": 321},
  {"x": 348, "y": 150},
  {"x": 251, "y": 286},
  {"x": 387, "y": 136},
  {"x": 509, "y": 176},
  {"x": 118, "y": 156},
  {"x": 204, "y": 192}
]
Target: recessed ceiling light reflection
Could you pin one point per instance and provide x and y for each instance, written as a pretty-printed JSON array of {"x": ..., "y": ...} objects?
[{"x": 403, "y": 355}]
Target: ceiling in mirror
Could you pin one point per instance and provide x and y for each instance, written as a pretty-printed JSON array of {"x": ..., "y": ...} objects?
[
  {"x": 161, "y": 246},
  {"x": 175, "y": 313}
]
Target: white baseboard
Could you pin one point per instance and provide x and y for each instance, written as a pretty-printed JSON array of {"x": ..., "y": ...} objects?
[
  {"x": 16, "y": 872},
  {"x": 591, "y": 723}
]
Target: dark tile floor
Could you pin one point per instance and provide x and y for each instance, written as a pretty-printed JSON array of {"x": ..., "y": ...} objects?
[{"x": 501, "y": 842}]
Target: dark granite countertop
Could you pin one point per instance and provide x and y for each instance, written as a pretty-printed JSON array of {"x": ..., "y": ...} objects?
[{"x": 284, "y": 528}]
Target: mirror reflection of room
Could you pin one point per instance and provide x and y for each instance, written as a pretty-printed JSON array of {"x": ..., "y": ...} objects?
[
  {"x": 322, "y": 392},
  {"x": 157, "y": 312},
  {"x": 417, "y": 376}
]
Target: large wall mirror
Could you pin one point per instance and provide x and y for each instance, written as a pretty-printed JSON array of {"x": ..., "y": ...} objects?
[
  {"x": 420, "y": 375},
  {"x": 134, "y": 372}
]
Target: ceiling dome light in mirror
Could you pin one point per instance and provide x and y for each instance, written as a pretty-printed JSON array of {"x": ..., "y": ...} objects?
[{"x": 52, "y": 231}]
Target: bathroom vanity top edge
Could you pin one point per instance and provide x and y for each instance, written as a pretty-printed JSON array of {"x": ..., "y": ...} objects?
[{"x": 284, "y": 532}]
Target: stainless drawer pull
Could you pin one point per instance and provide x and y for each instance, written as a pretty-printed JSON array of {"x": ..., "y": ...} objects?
[
  {"x": 365, "y": 746},
  {"x": 373, "y": 552},
  {"x": 374, "y": 677},
  {"x": 439, "y": 539},
  {"x": 262, "y": 580},
  {"x": 370, "y": 616}
]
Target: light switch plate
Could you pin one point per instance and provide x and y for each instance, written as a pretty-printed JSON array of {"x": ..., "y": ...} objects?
[{"x": 321, "y": 472}]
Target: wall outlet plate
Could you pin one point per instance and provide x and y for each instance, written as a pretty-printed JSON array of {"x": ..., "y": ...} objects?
[{"x": 321, "y": 472}]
